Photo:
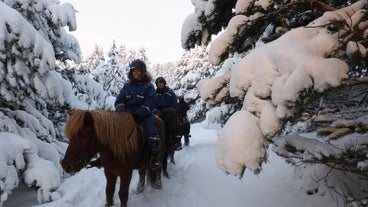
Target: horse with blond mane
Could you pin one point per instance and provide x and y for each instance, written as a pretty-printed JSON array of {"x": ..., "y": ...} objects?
[{"x": 120, "y": 143}]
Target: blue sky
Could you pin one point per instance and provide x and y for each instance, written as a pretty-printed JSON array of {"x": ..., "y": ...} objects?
[{"x": 155, "y": 25}]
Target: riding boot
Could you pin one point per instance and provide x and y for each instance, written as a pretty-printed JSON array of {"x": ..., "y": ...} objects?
[{"x": 154, "y": 143}]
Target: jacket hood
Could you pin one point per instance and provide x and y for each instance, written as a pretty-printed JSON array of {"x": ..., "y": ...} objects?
[{"x": 147, "y": 76}]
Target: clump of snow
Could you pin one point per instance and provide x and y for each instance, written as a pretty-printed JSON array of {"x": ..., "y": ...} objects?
[
  {"x": 353, "y": 47},
  {"x": 209, "y": 88},
  {"x": 241, "y": 6},
  {"x": 263, "y": 3},
  {"x": 221, "y": 43},
  {"x": 48, "y": 179},
  {"x": 15, "y": 151},
  {"x": 241, "y": 144},
  {"x": 64, "y": 14},
  {"x": 269, "y": 122},
  {"x": 190, "y": 25}
]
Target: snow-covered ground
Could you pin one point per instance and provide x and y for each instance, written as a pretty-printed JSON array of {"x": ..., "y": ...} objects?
[{"x": 195, "y": 181}]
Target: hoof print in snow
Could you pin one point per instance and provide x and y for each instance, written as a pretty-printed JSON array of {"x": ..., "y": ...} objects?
[{"x": 312, "y": 191}]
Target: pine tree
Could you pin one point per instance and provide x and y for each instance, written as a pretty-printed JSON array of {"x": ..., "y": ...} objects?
[
  {"x": 188, "y": 71},
  {"x": 247, "y": 28},
  {"x": 92, "y": 61},
  {"x": 122, "y": 55},
  {"x": 111, "y": 75},
  {"x": 36, "y": 91},
  {"x": 137, "y": 54}
]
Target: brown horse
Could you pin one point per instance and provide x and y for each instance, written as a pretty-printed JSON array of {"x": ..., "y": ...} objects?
[{"x": 120, "y": 143}]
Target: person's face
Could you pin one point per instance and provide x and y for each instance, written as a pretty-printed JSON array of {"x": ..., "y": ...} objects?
[
  {"x": 160, "y": 84},
  {"x": 137, "y": 74}
]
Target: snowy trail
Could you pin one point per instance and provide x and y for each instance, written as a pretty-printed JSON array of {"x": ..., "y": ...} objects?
[{"x": 195, "y": 181}]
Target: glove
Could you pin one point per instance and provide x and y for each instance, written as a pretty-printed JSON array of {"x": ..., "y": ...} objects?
[{"x": 136, "y": 118}]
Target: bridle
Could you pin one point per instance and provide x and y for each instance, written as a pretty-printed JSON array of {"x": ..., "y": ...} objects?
[{"x": 83, "y": 161}]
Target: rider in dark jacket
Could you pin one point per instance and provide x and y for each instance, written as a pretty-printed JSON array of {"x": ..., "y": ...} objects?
[
  {"x": 138, "y": 98},
  {"x": 183, "y": 107},
  {"x": 165, "y": 97}
]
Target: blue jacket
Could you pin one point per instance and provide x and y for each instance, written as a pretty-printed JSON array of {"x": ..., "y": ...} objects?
[
  {"x": 137, "y": 97},
  {"x": 165, "y": 98}
]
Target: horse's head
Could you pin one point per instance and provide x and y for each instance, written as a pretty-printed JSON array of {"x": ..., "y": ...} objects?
[{"x": 82, "y": 141}]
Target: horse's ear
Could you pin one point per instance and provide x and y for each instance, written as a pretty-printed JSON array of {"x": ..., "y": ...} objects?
[
  {"x": 88, "y": 119},
  {"x": 70, "y": 112}
]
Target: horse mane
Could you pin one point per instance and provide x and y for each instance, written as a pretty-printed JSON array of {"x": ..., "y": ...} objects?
[{"x": 116, "y": 130}]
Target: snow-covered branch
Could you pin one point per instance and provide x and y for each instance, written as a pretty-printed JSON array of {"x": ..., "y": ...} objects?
[{"x": 271, "y": 81}]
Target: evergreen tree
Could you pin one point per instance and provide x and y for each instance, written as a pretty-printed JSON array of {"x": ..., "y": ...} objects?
[
  {"x": 122, "y": 55},
  {"x": 261, "y": 72},
  {"x": 111, "y": 75},
  {"x": 36, "y": 92},
  {"x": 92, "y": 61},
  {"x": 189, "y": 70},
  {"x": 137, "y": 54},
  {"x": 163, "y": 69}
]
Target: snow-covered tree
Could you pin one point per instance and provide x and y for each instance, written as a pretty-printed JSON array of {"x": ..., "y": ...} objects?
[
  {"x": 111, "y": 75},
  {"x": 282, "y": 54},
  {"x": 36, "y": 93},
  {"x": 137, "y": 54},
  {"x": 163, "y": 69},
  {"x": 122, "y": 54},
  {"x": 189, "y": 70},
  {"x": 92, "y": 61}
]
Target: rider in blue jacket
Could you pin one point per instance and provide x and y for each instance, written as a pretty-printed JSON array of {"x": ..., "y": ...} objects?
[
  {"x": 165, "y": 97},
  {"x": 138, "y": 98}
]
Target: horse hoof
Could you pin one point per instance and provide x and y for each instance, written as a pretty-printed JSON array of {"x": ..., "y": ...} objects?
[
  {"x": 157, "y": 185},
  {"x": 140, "y": 189},
  {"x": 166, "y": 174}
]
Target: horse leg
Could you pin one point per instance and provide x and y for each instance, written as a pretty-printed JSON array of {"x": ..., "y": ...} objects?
[
  {"x": 164, "y": 163},
  {"x": 125, "y": 179},
  {"x": 158, "y": 183},
  {"x": 110, "y": 188},
  {"x": 186, "y": 139},
  {"x": 154, "y": 177},
  {"x": 172, "y": 159},
  {"x": 142, "y": 179}
]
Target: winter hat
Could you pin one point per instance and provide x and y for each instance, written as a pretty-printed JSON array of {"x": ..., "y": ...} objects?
[
  {"x": 138, "y": 64},
  {"x": 160, "y": 79}
]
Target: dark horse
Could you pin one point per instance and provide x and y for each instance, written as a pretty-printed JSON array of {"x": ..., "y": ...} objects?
[
  {"x": 185, "y": 129},
  {"x": 174, "y": 130},
  {"x": 118, "y": 140}
]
